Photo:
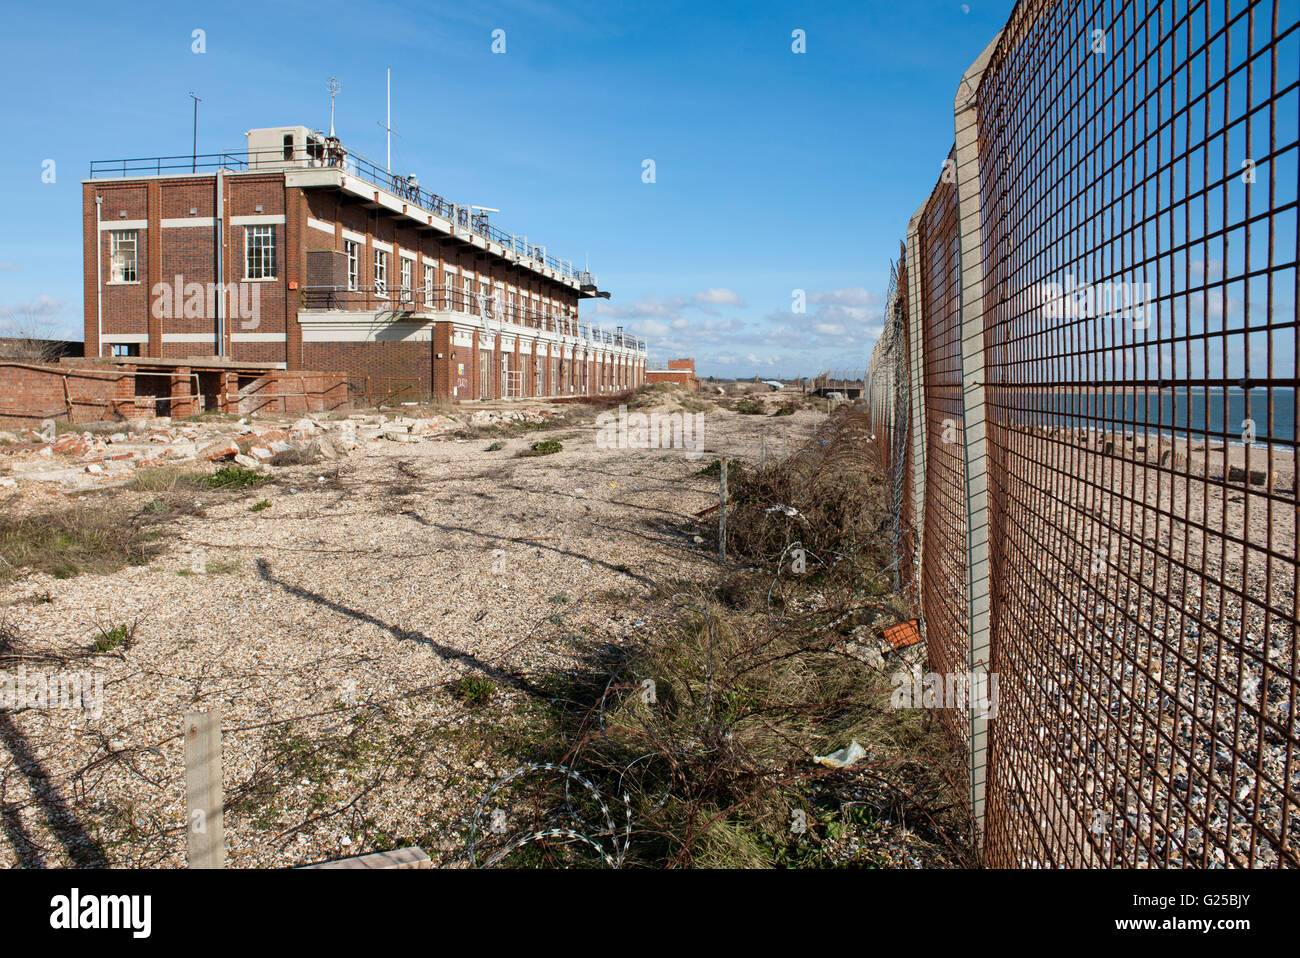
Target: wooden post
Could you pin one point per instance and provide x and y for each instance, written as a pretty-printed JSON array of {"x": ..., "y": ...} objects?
[
  {"x": 722, "y": 509},
  {"x": 203, "y": 793}
]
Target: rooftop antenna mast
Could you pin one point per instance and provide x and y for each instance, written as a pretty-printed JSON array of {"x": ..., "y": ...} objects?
[
  {"x": 194, "y": 157},
  {"x": 333, "y": 86},
  {"x": 388, "y": 126}
]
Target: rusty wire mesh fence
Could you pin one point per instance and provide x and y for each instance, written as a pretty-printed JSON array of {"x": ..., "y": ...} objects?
[{"x": 1111, "y": 256}]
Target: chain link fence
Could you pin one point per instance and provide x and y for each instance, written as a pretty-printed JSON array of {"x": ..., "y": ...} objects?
[{"x": 1096, "y": 429}]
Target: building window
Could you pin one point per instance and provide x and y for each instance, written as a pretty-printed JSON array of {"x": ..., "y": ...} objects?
[
  {"x": 353, "y": 252},
  {"x": 428, "y": 285},
  {"x": 126, "y": 349},
  {"x": 468, "y": 288},
  {"x": 381, "y": 273},
  {"x": 406, "y": 279},
  {"x": 259, "y": 252},
  {"x": 122, "y": 256}
]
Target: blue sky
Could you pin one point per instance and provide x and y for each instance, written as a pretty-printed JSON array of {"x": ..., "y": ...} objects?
[{"x": 774, "y": 171}]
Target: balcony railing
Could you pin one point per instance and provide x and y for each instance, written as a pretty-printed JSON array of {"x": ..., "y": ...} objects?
[
  {"x": 401, "y": 300},
  {"x": 318, "y": 155}
]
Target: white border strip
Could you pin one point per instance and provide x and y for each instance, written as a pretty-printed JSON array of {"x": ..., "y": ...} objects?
[{"x": 173, "y": 223}]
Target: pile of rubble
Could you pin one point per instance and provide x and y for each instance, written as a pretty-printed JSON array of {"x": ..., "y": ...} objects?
[
  {"x": 100, "y": 457},
  {"x": 109, "y": 454}
]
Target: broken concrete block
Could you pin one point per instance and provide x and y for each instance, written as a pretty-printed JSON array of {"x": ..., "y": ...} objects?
[
  {"x": 248, "y": 462},
  {"x": 220, "y": 450},
  {"x": 181, "y": 450},
  {"x": 261, "y": 453},
  {"x": 95, "y": 469},
  {"x": 1258, "y": 477}
]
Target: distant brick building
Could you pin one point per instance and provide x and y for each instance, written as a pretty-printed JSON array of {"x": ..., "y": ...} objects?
[
  {"x": 329, "y": 262},
  {"x": 679, "y": 371}
]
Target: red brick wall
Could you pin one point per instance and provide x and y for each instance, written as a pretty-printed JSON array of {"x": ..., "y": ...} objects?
[
  {"x": 31, "y": 393},
  {"x": 660, "y": 376},
  {"x": 291, "y": 392},
  {"x": 188, "y": 252},
  {"x": 389, "y": 365}
]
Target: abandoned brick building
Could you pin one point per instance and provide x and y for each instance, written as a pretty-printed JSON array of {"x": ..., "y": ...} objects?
[
  {"x": 678, "y": 371},
  {"x": 330, "y": 262}
]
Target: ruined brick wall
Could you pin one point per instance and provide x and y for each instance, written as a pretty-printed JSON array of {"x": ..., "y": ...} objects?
[
  {"x": 31, "y": 393},
  {"x": 665, "y": 376},
  {"x": 290, "y": 392}
]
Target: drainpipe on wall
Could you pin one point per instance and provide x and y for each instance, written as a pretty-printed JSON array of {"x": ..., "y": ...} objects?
[
  {"x": 99, "y": 282},
  {"x": 221, "y": 264}
]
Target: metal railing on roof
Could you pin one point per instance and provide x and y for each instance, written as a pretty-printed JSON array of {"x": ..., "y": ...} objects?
[
  {"x": 397, "y": 301},
  {"x": 354, "y": 164}
]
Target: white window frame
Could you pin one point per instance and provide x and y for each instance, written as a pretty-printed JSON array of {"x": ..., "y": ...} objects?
[
  {"x": 119, "y": 273},
  {"x": 259, "y": 258},
  {"x": 381, "y": 273},
  {"x": 352, "y": 250},
  {"x": 406, "y": 277}
]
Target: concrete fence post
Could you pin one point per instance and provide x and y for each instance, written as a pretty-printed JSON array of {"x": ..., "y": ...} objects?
[
  {"x": 722, "y": 508},
  {"x": 203, "y": 792},
  {"x": 916, "y": 347},
  {"x": 970, "y": 244}
]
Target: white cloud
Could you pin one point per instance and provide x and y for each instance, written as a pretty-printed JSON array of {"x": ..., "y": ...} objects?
[
  {"x": 647, "y": 306},
  {"x": 718, "y": 296},
  {"x": 849, "y": 296},
  {"x": 42, "y": 310}
]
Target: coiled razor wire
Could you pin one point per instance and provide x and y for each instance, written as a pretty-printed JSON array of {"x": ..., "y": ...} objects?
[
  {"x": 588, "y": 833},
  {"x": 620, "y": 848}
]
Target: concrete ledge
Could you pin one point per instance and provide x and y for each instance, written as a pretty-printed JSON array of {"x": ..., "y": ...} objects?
[{"x": 413, "y": 857}]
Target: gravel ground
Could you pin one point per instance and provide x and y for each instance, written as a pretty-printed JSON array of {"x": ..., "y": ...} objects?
[{"x": 331, "y": 629}]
